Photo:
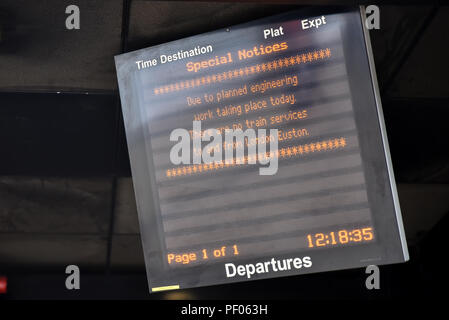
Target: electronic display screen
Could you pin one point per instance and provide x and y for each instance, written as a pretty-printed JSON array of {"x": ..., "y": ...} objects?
[{"x": 329, "y": 200}]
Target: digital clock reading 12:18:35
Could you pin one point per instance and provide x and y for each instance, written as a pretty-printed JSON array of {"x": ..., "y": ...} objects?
[{"x": 340, "y": 237}]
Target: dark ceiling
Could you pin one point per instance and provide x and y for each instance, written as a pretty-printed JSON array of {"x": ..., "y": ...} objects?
[{"x": 66, "y": 195}]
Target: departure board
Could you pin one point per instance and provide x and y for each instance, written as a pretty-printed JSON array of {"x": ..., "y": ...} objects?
[{"x": 259, "y": 151}]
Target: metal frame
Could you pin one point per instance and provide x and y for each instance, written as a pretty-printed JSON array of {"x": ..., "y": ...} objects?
[{"x": 384, "y": 134}]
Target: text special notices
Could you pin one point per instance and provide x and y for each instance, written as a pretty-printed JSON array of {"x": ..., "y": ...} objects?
[{"x": 254, "y": 87}]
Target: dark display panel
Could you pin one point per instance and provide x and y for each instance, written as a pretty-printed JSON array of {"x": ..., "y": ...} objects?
[{"x": 332, "y": 203}]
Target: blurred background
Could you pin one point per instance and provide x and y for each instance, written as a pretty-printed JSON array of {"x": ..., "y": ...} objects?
[{"x": 66, "y": 194}]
